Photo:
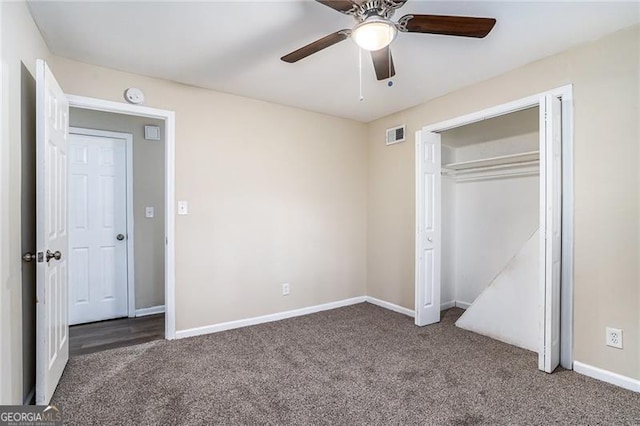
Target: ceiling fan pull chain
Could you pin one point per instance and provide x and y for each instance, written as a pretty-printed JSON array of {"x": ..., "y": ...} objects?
[
  {"x": 389, "y": 62},
  {"x": 360, "y": 69}
]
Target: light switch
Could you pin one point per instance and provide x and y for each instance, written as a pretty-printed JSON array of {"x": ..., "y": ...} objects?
[
  {"x": 183, "y": 207},
  {"x": 148, "y": 212}
]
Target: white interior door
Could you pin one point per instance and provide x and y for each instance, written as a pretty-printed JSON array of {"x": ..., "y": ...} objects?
[
  {"x": 428, "y": 246},
  {"x": 551, "y": 222},
  {"x": 97, "y": 228},
  {"x": 52, "y": 321}
]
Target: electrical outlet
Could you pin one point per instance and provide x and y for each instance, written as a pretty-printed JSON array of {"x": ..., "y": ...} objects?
[
  {"x": 614, "y": 337},
  {"x": 285, "y": 289}
]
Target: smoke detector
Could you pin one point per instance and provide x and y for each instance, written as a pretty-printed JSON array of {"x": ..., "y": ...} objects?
[{"x": 134, "y": 96}]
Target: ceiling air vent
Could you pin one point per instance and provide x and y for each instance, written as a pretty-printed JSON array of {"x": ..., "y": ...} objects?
[{"x": 395, "y": 134}]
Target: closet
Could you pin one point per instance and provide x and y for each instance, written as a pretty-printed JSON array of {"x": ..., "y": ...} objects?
[{"x": 490, "y": 213}]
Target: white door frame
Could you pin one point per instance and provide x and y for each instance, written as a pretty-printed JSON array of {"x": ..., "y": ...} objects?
[
  {"x": 169, "y": 189},
  {"x": 566, "y": 94},
  {"x": 128, "y": 138}
]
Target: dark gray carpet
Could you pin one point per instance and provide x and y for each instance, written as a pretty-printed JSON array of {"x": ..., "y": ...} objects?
[{"x": 350, "y": 366}]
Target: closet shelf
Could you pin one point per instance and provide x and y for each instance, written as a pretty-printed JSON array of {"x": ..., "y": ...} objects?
[{"x": 503, "y": 160}]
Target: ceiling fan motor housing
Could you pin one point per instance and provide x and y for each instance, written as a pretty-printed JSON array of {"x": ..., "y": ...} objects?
[{"x": 380, "y": 8}]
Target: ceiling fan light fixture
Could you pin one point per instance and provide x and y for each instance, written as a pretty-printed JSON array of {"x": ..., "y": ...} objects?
[{"x": 374, "y": 33}]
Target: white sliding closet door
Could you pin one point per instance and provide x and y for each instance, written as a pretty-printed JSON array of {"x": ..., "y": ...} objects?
[
  {"x": 551, "y": 238},
  {"x": 428, "y": 246}
]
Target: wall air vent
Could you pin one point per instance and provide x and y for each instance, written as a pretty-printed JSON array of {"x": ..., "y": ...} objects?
[
  {"x": 396, "y": 134},
  {"x": 152, "y": 133}
]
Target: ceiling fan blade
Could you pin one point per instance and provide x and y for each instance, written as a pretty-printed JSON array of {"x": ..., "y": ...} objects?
[
  {"x": 464, "y": 26},
  {"x": 316, "y": 46},
  {"x": 343, "y": 6},
  {"x": 397, "y": 4},
  {"x": 383, "y": 63}
]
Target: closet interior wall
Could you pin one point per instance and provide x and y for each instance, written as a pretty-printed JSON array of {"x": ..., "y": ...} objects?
[{"x": 490, "y": 208}]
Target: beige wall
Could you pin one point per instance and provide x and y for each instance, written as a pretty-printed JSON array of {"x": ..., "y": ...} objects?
[
  {"x": 21, "y": 43},
  {"x": 276, "y": 194},
  {"x": 605, "y": 78},
  {"x": 148, "y": 191}
]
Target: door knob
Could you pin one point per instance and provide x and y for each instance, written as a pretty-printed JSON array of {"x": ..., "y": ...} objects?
[
  {"x": 56, "y": 255},
  {"x": 430, "y": 239},
  {"x": 28, "y": 257},
  {"x": 120, "y": 237}
]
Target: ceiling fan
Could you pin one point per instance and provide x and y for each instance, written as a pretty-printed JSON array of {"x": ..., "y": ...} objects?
[{"x": 375, "y": 30}]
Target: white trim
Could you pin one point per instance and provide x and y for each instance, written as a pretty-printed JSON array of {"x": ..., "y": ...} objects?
[
  {"x": 607, "y": 376},
  {"x": 416, "y": 221},
  {"x": 566, "y": 295},
  {"x": 390, "y": 306},
  {"x": 566, "y": 93},
  {"x": 454, "y": 304},
  {"x": 96, "y": 104},
  {"x": 230, "y": 325},
  {"x": 542, "y": 245},
  {"x": 170, "y": 253},
  {"x": 463, "y": 305},
  {"x": 169, "y": 118},
  {"x": 152, "y": 310},
  {"x": 448, "y": 305},
  {"x": 498, "y": 110},
  {"x": 128, "y": 138},
  {"x": 131, "y": 254}
]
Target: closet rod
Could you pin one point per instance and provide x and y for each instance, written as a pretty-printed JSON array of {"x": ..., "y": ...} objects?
[{"x": 446, "y": 170}]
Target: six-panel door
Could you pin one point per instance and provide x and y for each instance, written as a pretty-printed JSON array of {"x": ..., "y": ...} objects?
[{"x": 97, "y": 228}]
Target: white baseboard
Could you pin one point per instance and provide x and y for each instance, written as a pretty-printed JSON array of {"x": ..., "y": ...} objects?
[
  {"x": 447, "y": 305},
  {"x": 454, "y": 304},
  {"x": 463, "y": 305},
  {"x": 152, "y": 310},
  {"x": 391, "y": 306},
  {"x": 607, "y": 376},
  {"x": 207, "y": 329}
]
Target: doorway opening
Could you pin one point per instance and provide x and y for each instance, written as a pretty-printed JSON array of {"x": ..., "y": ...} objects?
[
  {"x": 476, "y": 187},
  {"x": 116, "y": 229},
  {"x": 490, "y": 226},
  {"x": 147, "y": 302}
]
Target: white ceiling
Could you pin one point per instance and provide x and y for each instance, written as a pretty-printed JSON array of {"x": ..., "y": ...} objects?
[{"x": 235, "y": 46}]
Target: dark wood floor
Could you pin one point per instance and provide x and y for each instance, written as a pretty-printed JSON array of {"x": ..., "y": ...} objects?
[{"x": 103, "y": 335}]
